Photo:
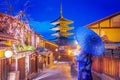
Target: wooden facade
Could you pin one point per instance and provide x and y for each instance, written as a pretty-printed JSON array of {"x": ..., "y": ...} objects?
[
  {"x": 108, "y": 28},
  {"x": 21, "y": 68},
  {"x": 20, "y": 36},
  {"x": 108, "y": 65},
  {"x": 52, "y": 47}
]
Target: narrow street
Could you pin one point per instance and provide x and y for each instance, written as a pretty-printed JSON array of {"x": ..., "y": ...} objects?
[
  {"x": 61, "y": 71},
  {"x": 59, "y": 40}
]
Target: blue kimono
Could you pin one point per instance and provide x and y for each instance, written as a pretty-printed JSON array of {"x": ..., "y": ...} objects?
[{"x": 84, "y": 66}]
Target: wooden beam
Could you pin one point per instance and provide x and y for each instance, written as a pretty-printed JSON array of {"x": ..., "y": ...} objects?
[{"x": 105, "y": 27}]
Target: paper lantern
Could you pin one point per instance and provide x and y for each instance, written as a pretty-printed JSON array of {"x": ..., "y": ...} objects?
[{"x": 8, "y": 54}]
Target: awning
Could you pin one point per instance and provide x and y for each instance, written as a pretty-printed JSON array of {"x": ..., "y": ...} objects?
[{"x": 41, "y": 49}]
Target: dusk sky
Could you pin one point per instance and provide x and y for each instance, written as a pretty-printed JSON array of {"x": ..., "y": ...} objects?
[{"x": 41, "y": 12}]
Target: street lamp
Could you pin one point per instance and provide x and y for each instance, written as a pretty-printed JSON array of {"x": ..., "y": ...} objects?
[
  {"x": 58, "y": 53},
  {"x": 56, "y": 50},
  {"x": 76, "y": 52},
  {"x": 69, "y": 52}
]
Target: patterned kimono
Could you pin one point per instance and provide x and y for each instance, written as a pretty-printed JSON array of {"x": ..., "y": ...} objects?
[{"x": 84, "y": 66}]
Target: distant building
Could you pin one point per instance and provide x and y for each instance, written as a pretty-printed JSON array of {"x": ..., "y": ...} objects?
[{"x": 61, "y": 29}]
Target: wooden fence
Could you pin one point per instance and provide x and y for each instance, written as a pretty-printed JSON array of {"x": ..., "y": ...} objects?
[{"x": 108, "y": 64}]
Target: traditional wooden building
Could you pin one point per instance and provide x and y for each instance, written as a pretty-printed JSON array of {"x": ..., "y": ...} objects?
[
  {"x": 108, "y": 28},
  {"x": 17, "y": 37},
  {"x": 52, "y": 47},
  {"x": 5, "y": 63},
  {"x": 107, "y": 67},
  {"x": 14, "y": 36}
]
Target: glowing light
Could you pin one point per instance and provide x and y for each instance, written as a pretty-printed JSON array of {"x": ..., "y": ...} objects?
[
  {"x": 56, "y": 50},
  {"x": 78, "y": 47},
  {"x": 8, "y": 54},
  {"x": 59, "y": 57},
  {"x": 76, "y": 42},
  {"x": 76, "y": 52},
  {"x": 69, "y": 52}
]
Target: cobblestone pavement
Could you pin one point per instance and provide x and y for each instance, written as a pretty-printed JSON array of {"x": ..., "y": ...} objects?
[{"x": 61, "y": 71}]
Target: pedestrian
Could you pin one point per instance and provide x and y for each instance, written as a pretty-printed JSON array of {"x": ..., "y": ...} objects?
[
  {"x": 41, "y": 65},
  {"x": 86, "y": 72},
  {"x": 73, "y": 69},
  {"x": 84, "y": 67}
]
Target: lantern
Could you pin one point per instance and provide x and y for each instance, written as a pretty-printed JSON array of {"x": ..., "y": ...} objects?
[{"x": 8, "y": 53}]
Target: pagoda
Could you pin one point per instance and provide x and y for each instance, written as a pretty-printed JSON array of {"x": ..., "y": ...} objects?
[{"x": 61, "y": 28}]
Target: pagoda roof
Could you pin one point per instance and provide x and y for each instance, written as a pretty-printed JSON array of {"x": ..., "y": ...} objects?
[
  {"x": 57, "y": 28},
  {"x": 61, "y": 19},
  {"x": 66, "y": 34},
  {"x": 57, "y": 34},
  {"x": 67, "y": 27},
  {"x": 98, "y": 21}
]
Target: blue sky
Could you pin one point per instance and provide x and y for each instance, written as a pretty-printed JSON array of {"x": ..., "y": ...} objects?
[{"x": 41, "y": 12}]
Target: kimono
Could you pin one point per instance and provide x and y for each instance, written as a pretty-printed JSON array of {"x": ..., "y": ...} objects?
[{"x": 84, "y": 66}]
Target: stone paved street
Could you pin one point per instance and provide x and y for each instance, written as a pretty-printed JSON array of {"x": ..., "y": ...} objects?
[{"x": 61, "y": 71}]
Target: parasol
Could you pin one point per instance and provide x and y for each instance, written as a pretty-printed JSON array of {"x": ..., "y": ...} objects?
[{"x": 89, "y": 41}]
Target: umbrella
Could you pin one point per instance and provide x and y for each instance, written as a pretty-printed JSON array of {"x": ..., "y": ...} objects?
[
  {"x": 41, "y": 49},
  {"x": 89, "y": 41}
]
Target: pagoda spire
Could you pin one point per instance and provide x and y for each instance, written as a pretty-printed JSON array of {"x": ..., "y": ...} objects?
[
  {"x": 61, "y": 16},
  {"x": 61, "y": 28}
]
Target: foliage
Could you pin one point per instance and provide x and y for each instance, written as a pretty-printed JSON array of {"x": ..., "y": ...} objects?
[{"x": 24, "y": 48}]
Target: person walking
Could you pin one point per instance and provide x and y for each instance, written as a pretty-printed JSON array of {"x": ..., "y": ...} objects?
[{"x": 73, "y": 69}]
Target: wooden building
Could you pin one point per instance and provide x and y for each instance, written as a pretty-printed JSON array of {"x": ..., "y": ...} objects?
[
  {"x": 5, "y": 63},
  {"x": 17, "y": 37},
  {"x": 107, "y": 67},
  {"x": 52, "y": 47},
  {"x": 108, "y": 28}
]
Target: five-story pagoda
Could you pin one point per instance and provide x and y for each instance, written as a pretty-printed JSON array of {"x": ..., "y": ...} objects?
[{"x": 61, "y": 29}]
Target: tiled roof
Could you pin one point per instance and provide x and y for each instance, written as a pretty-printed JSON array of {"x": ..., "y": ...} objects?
[
  {"x": 2, "y": 46},
  {"x": 62, "y": 19},
  {"x": 4, "y": 36},
  {"x": 108, "y": 17}
]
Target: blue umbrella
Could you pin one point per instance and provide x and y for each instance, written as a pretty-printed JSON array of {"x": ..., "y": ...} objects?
[
  {"x": 91, "y": 44},
  {"x": 89, "y": 41}
]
